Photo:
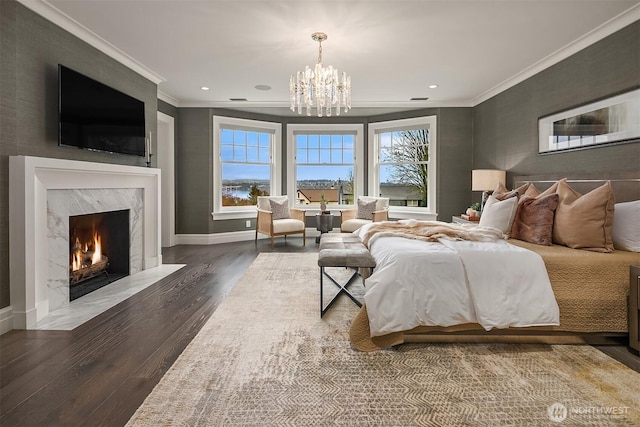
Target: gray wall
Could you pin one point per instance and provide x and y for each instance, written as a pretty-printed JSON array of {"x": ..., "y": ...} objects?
[
  {"x": 506, "y": 126},
  {"x": 194, "y": 161},
  {"x": 32, "y": 48},
  {"x": 454, "y": 156}
]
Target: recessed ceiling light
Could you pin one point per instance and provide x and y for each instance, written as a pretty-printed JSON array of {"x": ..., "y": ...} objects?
[
  {"x": 204, "y": 88},
  {"x": 419, "y": 99},
  {"x": 263, "y": 87},
  {"x": 433, "y": 86}
]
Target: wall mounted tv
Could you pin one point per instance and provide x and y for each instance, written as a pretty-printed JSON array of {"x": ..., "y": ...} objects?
[{"x": 94, "y": 116}]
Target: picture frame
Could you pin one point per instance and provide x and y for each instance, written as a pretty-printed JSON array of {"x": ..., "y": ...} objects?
[{"x": 607, "y": 121}]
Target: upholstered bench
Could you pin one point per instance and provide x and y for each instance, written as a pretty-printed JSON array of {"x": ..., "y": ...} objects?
[{"x": 343, "y": 250}]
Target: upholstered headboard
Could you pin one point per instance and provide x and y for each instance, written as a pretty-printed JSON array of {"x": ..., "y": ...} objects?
[{"x": 626, "y": 185}]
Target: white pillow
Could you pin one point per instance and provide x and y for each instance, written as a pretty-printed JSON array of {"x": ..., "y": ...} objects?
[
  {"x": 499, "y": 213},
  {"x": 625, "y": 231}
]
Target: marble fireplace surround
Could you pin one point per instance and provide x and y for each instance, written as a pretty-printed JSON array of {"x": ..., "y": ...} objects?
[
  {"x": 62, "y": 204},
  {"x": 34, "y": 185}
]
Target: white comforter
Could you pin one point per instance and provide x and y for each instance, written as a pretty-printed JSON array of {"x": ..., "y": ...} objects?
[{"x": 445, "y": 283}]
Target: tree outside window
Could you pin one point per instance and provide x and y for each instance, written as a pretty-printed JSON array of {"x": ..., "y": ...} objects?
[{"x": 404, "y": 166}]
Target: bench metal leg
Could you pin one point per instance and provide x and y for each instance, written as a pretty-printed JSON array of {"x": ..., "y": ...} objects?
[{"x": 343, "y": 290}]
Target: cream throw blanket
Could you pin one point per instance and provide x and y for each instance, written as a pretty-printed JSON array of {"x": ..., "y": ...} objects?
[{"x": 429, "y": 231}]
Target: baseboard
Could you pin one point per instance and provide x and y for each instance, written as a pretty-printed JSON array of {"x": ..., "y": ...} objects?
[
  {"x": 216, "y": 238},
  {"x": 6, "y": 319}
]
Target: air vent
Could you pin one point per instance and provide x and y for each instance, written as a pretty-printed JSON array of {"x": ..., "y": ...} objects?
[
  {"x": 237, "y": 99},
  {"x": 419, "y": 99}
]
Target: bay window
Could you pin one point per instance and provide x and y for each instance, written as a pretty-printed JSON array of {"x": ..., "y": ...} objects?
[
  {"x": 402, "y": 164},
  {"x": 324, "y": 164},
  {"x": 246, "y": 165}
]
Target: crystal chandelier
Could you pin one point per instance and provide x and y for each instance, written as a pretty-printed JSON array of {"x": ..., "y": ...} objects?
[{"x": 320, "y": 87}]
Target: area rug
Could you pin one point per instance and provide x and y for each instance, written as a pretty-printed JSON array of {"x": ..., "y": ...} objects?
[{"x": 265, "y": 357}]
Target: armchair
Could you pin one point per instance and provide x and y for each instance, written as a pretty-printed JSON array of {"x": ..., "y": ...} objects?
[
  {"x": 352, "y": 219},
  {"x": 275, "y": 218}
]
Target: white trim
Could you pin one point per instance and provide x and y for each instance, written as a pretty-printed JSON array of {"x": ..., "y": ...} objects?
[
  {"x": 165, "y": 149},
  {"x": 64, "y": 21},
  {"x": 217, "y": 238},
  {"x": 409, "y": 105},
  {"x": 374, "y": 186},
  {"x": 6, "y": 319},
  {"x": 616, "y": 23},
  {"x": 228, "y": 237},
  {"x": 358, "y": 149},
  {"x": 168, "y": 99},
  {"x": 249, "y": 213},
  {"x": 395, "y": 212},
  {"x": 220, "y": 212}
]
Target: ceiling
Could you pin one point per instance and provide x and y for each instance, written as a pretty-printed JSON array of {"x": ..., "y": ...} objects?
[{"x": 392, "y": 49}]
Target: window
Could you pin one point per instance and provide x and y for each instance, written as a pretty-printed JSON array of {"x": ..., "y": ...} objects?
[
  {"x": 246, "y": 154},
  {"x": 402, "y": 166},
  {"x": 324, "y": 162}
]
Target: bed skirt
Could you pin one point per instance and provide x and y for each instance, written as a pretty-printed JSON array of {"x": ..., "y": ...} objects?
[{"x": 472, "y": 333}]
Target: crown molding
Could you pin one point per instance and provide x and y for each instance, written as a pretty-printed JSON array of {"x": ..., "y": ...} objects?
[
  {"x": 614, "y": 24},
  {"x": 64, "y": 21},
  {"x": 163, "y": 96},
  {"x": 283, "y": 104}
]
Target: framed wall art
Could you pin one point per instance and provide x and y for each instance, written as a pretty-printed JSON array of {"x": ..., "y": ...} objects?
[{"x": 611, "y": 120}]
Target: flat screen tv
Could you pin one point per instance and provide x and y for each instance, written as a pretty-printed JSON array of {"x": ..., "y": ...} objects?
[{"x": 94, "y": 116}]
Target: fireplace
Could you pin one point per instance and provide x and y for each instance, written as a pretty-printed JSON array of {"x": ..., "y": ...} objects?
[
  {"x": 43, "y": 195},
  {"x": 98, "y": 250}
]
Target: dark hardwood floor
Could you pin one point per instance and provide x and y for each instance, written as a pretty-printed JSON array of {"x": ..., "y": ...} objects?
[{"x": 99, "y": 373}]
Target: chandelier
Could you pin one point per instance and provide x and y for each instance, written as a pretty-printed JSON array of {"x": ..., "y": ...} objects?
[{"x": 320, "y": 87}]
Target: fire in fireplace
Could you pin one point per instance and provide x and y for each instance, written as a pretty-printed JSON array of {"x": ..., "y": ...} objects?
[
  {"x": 98, "y": 251},
  {"x": 87, "y": 260}
]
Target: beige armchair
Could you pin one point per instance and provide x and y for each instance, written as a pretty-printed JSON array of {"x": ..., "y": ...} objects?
[
  {"x": 280, "y": 221},
  {"x": 350, "y": 221}
]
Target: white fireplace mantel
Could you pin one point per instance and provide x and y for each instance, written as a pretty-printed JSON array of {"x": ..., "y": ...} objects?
[{"x": 30, "y": 178}]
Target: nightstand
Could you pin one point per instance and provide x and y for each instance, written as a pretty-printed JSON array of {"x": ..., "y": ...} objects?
[
  {"x": 456, "y": 219},
  {"x": 634, "y": 308}
]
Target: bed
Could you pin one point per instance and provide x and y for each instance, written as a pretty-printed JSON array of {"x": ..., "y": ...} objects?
[{"x": 590, "y": 289}]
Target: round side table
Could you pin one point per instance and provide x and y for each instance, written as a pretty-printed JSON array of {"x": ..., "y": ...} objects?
[{"x": 324, "y": 224}]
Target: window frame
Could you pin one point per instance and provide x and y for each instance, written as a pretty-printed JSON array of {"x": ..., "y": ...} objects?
[
  {"x": 220, "y": 122},
  {"x": 426, "y": 122},
  {"x": 358, "y": 162}
]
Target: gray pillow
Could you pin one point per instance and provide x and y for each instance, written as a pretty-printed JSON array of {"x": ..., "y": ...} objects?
[
  {"x": 279, "y": 210},
  {"x": 365, "y": 209}
]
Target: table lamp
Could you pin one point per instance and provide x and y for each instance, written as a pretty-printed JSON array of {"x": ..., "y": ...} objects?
[{"x": 486, "y": 180}]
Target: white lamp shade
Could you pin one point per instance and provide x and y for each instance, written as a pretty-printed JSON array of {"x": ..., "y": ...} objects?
[{"x": 487, "y": 179}]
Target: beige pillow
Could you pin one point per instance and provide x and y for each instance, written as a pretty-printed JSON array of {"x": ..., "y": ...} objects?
[
  {"x": 534, "y": 219},
  {"x": 366, "y": 209},
  {"x": 551, "y": 190},
  {"x": 531, "y": 191},
  {"x": 526, "y": 189},
  {"x": 584, "y": 221},
  {"x": 279, "y": 210}
]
